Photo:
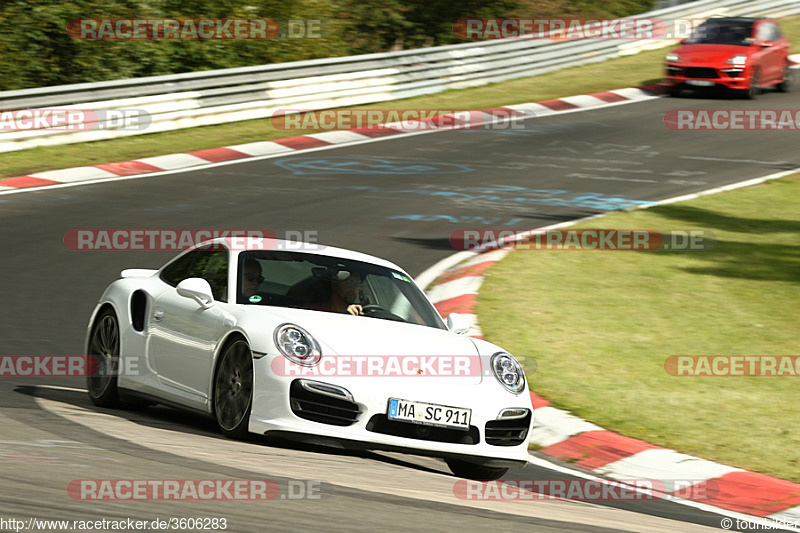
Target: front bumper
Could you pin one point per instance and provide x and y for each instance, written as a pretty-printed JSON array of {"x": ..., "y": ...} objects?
[
  {"x": 362, "y": 423},
  {"x": 730, "y": 76}
]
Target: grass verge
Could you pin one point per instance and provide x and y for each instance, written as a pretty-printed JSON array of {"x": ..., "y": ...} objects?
[
  {"x": 600, "y": 325},
  {"x": 632, "y": 71}
]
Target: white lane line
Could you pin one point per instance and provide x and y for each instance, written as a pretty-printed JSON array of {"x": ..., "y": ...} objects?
[{"x": 754, "y": 161}]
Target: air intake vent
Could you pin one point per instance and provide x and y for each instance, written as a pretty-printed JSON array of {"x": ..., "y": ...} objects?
[
  {"x": 320, "y": 407},
  {"x": 381, "y": 424},
  {"x": 508, "y": 431}
]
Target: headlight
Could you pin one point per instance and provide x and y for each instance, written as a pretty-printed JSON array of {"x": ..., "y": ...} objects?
[
  {"x": 508, "y": 372},
  {"x": 672, "y": 57},
  {"x": 297, "y": 345},
  {"x": 738, "y": 59}
]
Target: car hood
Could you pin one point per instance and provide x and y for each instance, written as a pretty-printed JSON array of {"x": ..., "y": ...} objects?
[
  {"x": 708, "y": 54},
  {"x": 345, "y": 335}
]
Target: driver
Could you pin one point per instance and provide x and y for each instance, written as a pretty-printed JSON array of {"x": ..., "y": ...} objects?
[{"x": 343, "y": 293}]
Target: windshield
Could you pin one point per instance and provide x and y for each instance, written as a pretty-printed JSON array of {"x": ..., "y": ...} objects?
[
  {"x": 738, "y": 33},
  {"x": 331, "y": 284}
]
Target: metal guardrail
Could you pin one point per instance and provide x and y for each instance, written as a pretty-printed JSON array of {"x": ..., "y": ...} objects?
[{"x": 214, "y": 97}]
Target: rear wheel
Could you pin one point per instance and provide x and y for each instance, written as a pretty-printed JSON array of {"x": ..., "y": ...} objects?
[
  {"x": 233, "y": 389},
  {"x": 104, "y": 348},
  {"x": 475, "y": 471}
]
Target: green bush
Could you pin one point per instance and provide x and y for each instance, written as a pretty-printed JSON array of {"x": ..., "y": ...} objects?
[{"x": 36, "y": 51}]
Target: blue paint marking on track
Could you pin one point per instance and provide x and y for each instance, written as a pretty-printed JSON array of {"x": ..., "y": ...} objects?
[
  {"x": 523, "y": 196},
  {"x": 367, "y": 165}
]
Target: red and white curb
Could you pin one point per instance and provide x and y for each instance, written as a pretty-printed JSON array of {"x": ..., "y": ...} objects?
[
  {"x": 315, "y": 141},
  {"x": 453, "y": 286}
]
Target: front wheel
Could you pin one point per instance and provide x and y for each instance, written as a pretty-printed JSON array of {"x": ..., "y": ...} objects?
[
  {"x": 233, "y": 390},
  {"x": 786, "y": 84},
  {"x": 754, "y": 90},
  {"x": 104, "y": 348},
  {"x": 475, "y": 471}
]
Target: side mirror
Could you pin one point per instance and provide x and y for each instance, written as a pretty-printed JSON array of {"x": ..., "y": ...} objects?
[
  {"x": 767, "y": 44},
  {"x": 458, "y": 324},
  {"x": 198, "y": 290}
]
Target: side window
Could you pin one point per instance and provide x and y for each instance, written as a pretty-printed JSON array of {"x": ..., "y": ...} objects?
[
  {"x": 178, "y": 270},
  {"x": 766, "y": 32},
  {"x": 211, "y": 265}
]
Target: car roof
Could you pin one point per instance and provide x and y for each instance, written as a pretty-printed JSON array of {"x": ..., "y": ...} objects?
[
  {"x": 267, "y": 244},
  {"x": 735, "y": 19}
]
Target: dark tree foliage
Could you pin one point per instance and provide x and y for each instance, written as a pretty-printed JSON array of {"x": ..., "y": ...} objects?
[{"x": 36, "y": 51}]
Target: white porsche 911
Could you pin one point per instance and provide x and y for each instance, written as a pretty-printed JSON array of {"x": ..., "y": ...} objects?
[{"x": 309, "y": 342}]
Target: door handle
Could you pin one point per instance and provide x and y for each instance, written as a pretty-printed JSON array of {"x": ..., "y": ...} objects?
[{"x": 158, "y": 315}]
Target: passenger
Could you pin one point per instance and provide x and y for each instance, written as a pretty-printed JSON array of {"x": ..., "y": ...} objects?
[{"x": 251, "y": 278}]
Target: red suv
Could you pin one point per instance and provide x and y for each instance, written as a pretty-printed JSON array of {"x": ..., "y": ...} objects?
[{"x": 744, "y": 54}]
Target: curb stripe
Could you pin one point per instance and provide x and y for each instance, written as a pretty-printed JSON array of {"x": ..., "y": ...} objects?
[
  {"x": 557, "y": 105},
  {"x": 538, "y": 402},
  {"x": 476, "y": 270},
  {"x": 752, "y": 493},
  {"x": 301, "y": 142},
  {"x": 609, "y": 97},
  {"x": 593, "y": 449},
  {"x": 375, "y": 132},
  {"x": 26, "y": 181},
  {"x": 217, "y": 155},
  {"x": 128, "y": 168},
  {"x": 459, "y": 304}
]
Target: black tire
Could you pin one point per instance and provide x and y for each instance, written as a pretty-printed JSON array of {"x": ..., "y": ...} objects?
[
  {"x": 754, "y": 90},
  {"x": 104, "y": 346},
  {"x": 233, "y": 389},
  {"x": 675, "y": 91},
  {"x": 786, "y": 85},
  {"x": 475, "y": 471}
]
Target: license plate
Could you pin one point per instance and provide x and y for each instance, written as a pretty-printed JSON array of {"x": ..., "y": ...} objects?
[
  {"x": 429, "y": 414},
  {"x": 700, "y": 83}
]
